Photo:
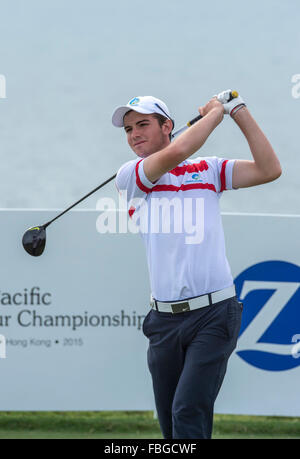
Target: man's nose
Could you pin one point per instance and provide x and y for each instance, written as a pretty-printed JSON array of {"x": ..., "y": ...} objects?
[{"x": 135, "y": 133}]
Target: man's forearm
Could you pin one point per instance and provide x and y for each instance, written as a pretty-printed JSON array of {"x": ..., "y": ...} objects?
[
  {"x": 183, "y": 147},
  {"x": 193, "y": 138},
  {"x": 261, "y": 149}
]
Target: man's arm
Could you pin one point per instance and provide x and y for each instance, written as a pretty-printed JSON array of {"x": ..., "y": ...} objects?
[
  {"x": 266, "y": 166},
  {"x": 186, "y": 144}
]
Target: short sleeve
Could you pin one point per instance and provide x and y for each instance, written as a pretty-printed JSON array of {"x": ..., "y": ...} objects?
[
  {"x": 223, "y": 169},
  {"x": 131, "y": 179}
]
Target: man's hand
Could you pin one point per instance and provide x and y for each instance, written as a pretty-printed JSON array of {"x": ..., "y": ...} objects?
[
  {"x": 213, "y": 104},
  {"x": 232, "y": 106}
]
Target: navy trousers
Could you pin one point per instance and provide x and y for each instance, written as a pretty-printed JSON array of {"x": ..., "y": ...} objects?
[{"x": 187, "y": 358}]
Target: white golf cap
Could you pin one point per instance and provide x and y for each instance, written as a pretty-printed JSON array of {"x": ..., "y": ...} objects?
[{"x": 142, "y": 104}]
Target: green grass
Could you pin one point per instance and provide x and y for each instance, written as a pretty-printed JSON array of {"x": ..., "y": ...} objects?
[
  {"x": 134, "y": 425},
  {"x": 234, "y": 426}
]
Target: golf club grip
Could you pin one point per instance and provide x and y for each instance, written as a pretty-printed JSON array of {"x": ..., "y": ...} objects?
[
  {"x": 233, "y": 95},
  {"x": 194, "y": 120}
]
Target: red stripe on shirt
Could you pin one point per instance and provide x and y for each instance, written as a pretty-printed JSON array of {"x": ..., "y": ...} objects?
[
  {"x": 190, "y": 168},
  {"x": 131, "y": 211},
  {"x": 138, "y": 180},
  {"x": 185, "y": 187},
  {"x": 223, "y": 176}
]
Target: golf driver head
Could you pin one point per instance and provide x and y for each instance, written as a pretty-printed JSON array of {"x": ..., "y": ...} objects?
[{"x": 34, "y": 240}]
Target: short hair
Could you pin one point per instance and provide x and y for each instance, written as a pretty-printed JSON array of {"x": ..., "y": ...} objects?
[{"x": 161, "y": 120}]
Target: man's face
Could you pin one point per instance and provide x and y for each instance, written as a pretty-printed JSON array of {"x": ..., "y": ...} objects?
[{"x": 144, "y": 134}]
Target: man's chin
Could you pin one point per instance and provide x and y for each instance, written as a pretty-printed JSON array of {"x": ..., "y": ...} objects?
[{"x": 142, "y": 154}]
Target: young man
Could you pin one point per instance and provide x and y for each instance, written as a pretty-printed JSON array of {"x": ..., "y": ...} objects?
[{"x": 194, "y": 320}]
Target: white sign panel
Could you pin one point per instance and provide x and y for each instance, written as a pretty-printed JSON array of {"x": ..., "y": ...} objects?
[
  {"x": 264, "y": 371},
  {"x": 71, "y": 320},
  {"x": 72, "y": 317}
]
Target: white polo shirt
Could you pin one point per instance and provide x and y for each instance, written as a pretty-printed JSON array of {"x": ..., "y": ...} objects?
[{"x": 180, "y": 222}]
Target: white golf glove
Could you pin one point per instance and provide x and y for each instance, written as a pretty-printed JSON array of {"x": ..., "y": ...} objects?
[{"x": 230, "y": 106}]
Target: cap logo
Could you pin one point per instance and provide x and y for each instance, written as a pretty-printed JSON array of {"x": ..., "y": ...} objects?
[{"x": 134, "y": 101}]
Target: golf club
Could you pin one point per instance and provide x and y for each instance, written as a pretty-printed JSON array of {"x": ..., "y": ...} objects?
[{"x": 34, "y": 239}]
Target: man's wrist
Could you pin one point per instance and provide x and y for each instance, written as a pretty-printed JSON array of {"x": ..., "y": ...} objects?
[
  {"x": 243, "y": 119},
  {"x": 238, "y": 109},
  {"x": 217, "y": 112}
]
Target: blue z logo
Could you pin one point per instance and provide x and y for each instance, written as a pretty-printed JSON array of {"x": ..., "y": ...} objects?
[{"x": 271, "y": 315}]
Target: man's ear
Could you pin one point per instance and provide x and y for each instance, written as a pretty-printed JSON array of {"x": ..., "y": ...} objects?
[{"x": 167, "y": 127}]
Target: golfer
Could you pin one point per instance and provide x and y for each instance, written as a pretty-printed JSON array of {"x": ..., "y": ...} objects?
[{"x": 195, "y": 317}]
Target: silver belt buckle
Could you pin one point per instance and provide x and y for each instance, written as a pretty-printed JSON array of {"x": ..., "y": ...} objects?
[
  {"x": 152, "y": 304},
  {"x": 180, "y": 307}
]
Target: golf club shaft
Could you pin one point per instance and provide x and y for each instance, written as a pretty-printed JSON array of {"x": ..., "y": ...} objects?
[
  {"x": 179, "y": 131},
  {"x": 187, "y": 125},
  {"x": 80, "y": 200}
]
